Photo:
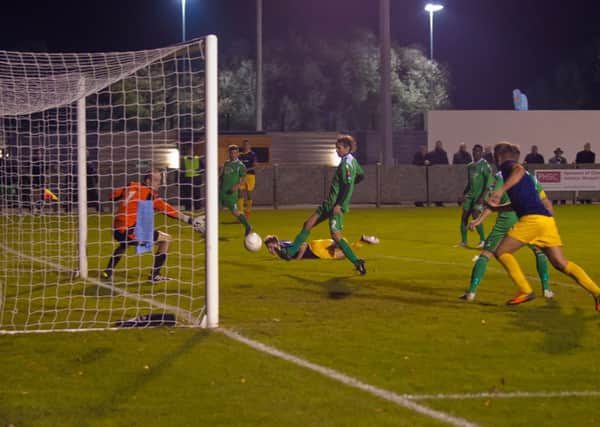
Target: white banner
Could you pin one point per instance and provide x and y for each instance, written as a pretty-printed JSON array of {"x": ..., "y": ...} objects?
[{"x": 569, "y": 179}]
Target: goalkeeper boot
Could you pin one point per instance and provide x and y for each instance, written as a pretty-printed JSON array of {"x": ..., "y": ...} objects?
[
  {"x": 158, "y": 278},
  {"x": 520, "y": 298},
  {"x": 597, "y": 302},
  {"x": 106, "y": 274},
  {"x": 360, "y": 266}
]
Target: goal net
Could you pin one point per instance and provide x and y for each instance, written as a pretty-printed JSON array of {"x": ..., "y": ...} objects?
[{"x": 75, "y": 129}]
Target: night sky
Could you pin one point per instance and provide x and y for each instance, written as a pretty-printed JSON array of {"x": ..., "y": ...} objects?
[{"x": 489, "y": 46}]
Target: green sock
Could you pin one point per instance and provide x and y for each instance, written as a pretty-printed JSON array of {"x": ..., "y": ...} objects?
[
  {"x": 245, "y": 223},
  {"x": 300, "y": 238},
  {"x": 541, "y": 262},
  {"x": 347, "y": 250},
  {"x": 463, "y": 232},
  {"x": 481, "y": 233},
  {"x": 478, "y": 272}
]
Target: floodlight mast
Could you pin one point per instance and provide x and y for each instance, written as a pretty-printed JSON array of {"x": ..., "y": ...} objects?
[{"x": 432, "y": 8}]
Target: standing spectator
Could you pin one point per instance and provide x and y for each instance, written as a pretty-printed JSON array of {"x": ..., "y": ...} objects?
[
  {"x": 190, "y": 179},
  {"x": 420, "y": 159},
  {"x": 586, "y": 156},
  {"x": 534, "y": 156},
  {"x": 248, "y": 158},
  {"x": 438, "y": 157},
  {"x": 462, "y": 156},
  {"x": 488, "y": 155},
  {"x": 558, "y": 159}
]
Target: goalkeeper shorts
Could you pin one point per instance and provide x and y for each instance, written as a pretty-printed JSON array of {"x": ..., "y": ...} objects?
[{"x": 128, "y": 236}]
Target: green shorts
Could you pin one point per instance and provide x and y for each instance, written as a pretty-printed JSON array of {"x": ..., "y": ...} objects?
[
  {"x": 336, "y": 222},
  {"x": 470, "y": 204},
  {"x": 504, "y": 222},
  {"x": 228, "y": 200}
]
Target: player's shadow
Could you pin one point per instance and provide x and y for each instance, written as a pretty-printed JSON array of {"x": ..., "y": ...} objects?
[
  {"x": 336, "y": 288},
  {"x": 562, "y": 331}
]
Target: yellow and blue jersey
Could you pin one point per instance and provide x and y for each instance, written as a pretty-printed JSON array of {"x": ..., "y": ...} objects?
[{"x": 524, "y": 195}]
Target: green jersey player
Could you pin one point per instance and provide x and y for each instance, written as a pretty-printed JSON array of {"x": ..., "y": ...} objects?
[
  {"x": 504, "y": 222},
  {"x": 232, "y": 175},
  {"x": 337, "y": 203},
  {"x": 480, "y": 176}
]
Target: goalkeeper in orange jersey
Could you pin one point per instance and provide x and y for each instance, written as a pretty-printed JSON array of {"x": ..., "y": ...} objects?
[
  {"x": 137, "y": 203},
  {"x": 314, "y": 249}
]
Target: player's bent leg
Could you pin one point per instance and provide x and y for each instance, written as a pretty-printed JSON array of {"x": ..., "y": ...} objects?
[
  {"x": 541, "y": 264},
  {"x": 504, "y": 254},
  {"x": 312, "y": 220},
  {"x": 558, "y": 260},
  {"x": 477, "y": 274}
]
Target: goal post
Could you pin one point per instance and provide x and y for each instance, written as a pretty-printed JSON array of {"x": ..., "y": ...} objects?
[{"x": 75, "y": 128}]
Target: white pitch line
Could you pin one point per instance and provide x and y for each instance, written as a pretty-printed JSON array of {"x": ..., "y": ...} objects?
[
  {"x": 166, "y": 307},
  {"x": 514, "y": 394},
  {"x": 350, "y": 381}
]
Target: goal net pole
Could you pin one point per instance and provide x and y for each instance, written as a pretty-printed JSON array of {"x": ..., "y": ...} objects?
[{"x": 212, "y": 185}]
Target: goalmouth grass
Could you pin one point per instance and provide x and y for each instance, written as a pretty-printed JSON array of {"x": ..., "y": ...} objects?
[{"x": 400, "y": 328}]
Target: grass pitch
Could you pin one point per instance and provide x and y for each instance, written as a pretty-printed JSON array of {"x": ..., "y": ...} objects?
[{"x": 401, "y": 328}]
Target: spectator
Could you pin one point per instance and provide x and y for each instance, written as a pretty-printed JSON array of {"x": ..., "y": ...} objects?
[
  {"x": 438, "y": 156},
  {"x": 462, "y": 156},
  {"x": 534, "y": 156},
  {"x": 558, "y": 159},
  {"x": 586, "y": 155},
  {"x": 583, "y": 157},
  {"x": 190, "y": 179},
  {"x": 420, "y": 159},
  {"x": 488, "y": 155}
]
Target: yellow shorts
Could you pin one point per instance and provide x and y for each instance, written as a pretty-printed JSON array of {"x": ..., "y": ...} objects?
[
  {"x": 538, "y": 230},
  {"x": 323, "y": 249},
  {"x": 250, "y": 183}
]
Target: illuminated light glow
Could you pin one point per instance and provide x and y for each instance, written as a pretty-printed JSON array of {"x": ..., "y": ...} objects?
[
  {"x": 334, "y": 159},
  {"x": 433, "y": 7},
  {"x": 173, "y": 158}
]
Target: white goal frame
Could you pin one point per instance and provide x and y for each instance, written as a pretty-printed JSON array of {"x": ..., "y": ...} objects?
[{"x": 209, "y": 318}]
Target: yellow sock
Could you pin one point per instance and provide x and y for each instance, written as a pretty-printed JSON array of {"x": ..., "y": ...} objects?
[
  {"x": 356, "y": 245},
  {"x": 248, "y": 205},
  {"x": 511, "y": 266},
  {"x": 241, "y": 204},
  {"x": 581, "y": 277}
]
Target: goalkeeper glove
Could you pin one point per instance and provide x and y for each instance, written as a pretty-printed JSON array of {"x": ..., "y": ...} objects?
[{"x": 188, "y": 219}]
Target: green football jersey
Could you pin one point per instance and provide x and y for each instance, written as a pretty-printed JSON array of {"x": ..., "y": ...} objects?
[
  {"x": 480, "y": 176},
  {"x": 233, "y": 171},
  {"x": 342, "y": 186}
]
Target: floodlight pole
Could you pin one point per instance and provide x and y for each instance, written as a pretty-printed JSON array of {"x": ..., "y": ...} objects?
[
  {"x": 432, "y": 8},
  {"x": 259, "y": 67},
  {"x": 183, "y": 20},
  {"x": 387, "y": 153}
]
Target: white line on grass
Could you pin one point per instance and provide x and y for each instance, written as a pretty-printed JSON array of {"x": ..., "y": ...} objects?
[
  {"x": 188, "y": 316},
  {"x": 350, "y": 381},
  {"x": 537, "y": 394}
]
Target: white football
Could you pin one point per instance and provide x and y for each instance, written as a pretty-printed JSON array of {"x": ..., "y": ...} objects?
[
  {"x": 199, "y": 224},
  {"x": 253, "y": 242}
]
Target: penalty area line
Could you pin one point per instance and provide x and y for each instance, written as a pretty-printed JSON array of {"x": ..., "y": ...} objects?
[{"x": 350, "y": 381}]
